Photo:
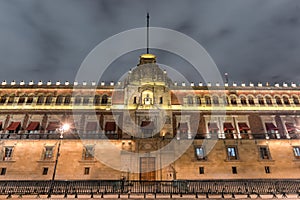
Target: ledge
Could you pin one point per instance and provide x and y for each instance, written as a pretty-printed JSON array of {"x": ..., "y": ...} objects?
[
  {"x": 87, "y": 161},
  {"x": 7, "y": 161},
  {"x": 46, "y": 161}
]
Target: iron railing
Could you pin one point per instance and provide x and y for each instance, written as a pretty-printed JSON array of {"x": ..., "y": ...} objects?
[
  {"x": 116, "y": 136},
  {"x": 195, "y": 187}
]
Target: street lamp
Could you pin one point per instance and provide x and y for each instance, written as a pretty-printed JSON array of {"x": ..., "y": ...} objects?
[{"x": 64, "y": 128}]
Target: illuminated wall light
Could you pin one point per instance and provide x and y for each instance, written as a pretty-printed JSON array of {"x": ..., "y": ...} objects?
[
  {"x": 84, "y": 83},
  {"x": 75, "y": 83},
  {"x": 49, "y": 83},
  {"x": 130, "y": 71},
  {"x": 284, "y": 84},
  {"x": 40, "y": 82},
  {"x": 102, "y": 83},
  {"x": 93, "y": 83},
  {"x": 259, "y": 84},
  {"x": 251, "y": 84},
  {"x": 22, "y": 83},
  {"x": 276, "y": 84},
  {"x": 209, "y": 84},
  {"x": 13, "y": 82},
  {"x": 165, "y": 72},
  {"x": 3, "y": 82},
  {"x": 112, "y": 83},
  {"x": 293, "y": 84},
  {"x": 175, "y": 83},
  {"x": 183, "y": 84},
  {"x": 243, "y": 84},
  {"x": 267, "y": 84},
  {"x": 200, "y": 84},
  {"x": 192, "y": 84},
  {"x": 226, "y": 84},
  {"x": 67, "y": 83},
  {"x": 218, "y": 84},
  {"x": 119, "y": 82},
  {"x": 31, "y": 82},
  {"x": 234, "y": 84},
  {"x": 57, "y": 83}
]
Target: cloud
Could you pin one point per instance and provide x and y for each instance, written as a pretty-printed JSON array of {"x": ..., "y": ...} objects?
[{"x": 251, "y": 40}]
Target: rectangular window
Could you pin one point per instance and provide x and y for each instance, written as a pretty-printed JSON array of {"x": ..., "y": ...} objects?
[
  {"x": 200, "y": 153},
  {"x": 48, "y": 153},
  {"x": 297, "y": 152},
  {"x": 160, "y": 100},
  {"x": 45, "y": 170},
  {"x": 232, "y": 153},
  {"x": 3, "y": 171},
  {"x": 234, "y": 170},
  {"x": 201, "y": 170},
  {"x": 86, "y": 170},
  {"x": 264, "y": 153},
  {"x": 267, "y": 170},
  {"x": 88, "y": 153},
  {"x": 8, "y": 153}
]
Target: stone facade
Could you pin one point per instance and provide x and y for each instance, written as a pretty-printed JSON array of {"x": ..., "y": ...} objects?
[{"x": 148, "y": 128}]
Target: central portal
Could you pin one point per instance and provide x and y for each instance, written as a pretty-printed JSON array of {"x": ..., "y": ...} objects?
[{"x": 147, "y": 168}]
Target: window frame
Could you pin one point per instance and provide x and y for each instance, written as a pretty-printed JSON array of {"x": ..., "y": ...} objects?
[
  {"x": 86, "y": 171},
  {"x": 3, "y": 171},
  {"x": 199, "y": 157},
  {"x": 88, "y": 152},
  {"x": 47, "y": 154},
  {"x": 232, "y": 157},
  {"x": 45, "y": 171},
  {"x": 201, "y": 170},
  {"x": 7, "y": 156},
  {"x": 296, "y": 151},
  {"x": 264, "y": 155}
]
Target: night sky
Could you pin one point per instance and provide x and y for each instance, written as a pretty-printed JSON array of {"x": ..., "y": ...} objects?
[{"x": 251, "y": 40}]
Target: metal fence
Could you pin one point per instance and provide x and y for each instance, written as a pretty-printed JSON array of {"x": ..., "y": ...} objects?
[{"x": 208, "y": 187}]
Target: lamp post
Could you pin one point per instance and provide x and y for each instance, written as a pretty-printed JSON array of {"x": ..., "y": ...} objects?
[{"x": 64, "y": 128}]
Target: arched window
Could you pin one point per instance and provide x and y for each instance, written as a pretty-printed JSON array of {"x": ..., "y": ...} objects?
[
  {"x": 48, "y": 100},
  {"x": 40, "y": 100},
  {"x": 67, "y": 100},
  {"x": 97, "y": 100},
  {"x": 225, "y": 100},
  {"x": 3, "y": 99},
  {"x": 104, "y": 99},
  {"x": 269, "y": 100},
  {"x": 207, "y": 100},
  {"x": 59, "y": 100},
  {"x": 21, "y": 99},
  {"x": 197, "y": 100},
  {"x": 233, "y": 100},
  {"x": 286, "y": 100},
  {"x": 86, "y": 100},
  {"x": 243, "y": 100},
  {"x": 278, "y": 100},
  {"x": 29, "y": 100},
  {"x": 251, "y": 100},
  {"x": 261, "y": 100},
  {"x": 215, "y": 100},
  {"x": 190, "y": 100},
  {"x": 77, "y": 100},
  {"x": 11, "y": 99},
  {"x": 296, "y": 100}
]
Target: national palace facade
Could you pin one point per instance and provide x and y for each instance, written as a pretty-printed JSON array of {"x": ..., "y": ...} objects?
[{"x": 254, "y": 129}]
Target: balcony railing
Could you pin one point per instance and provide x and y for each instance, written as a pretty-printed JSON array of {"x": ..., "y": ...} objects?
[
  {"x": 256, "y": 187},
  {"x": 116, "y": 136}
]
